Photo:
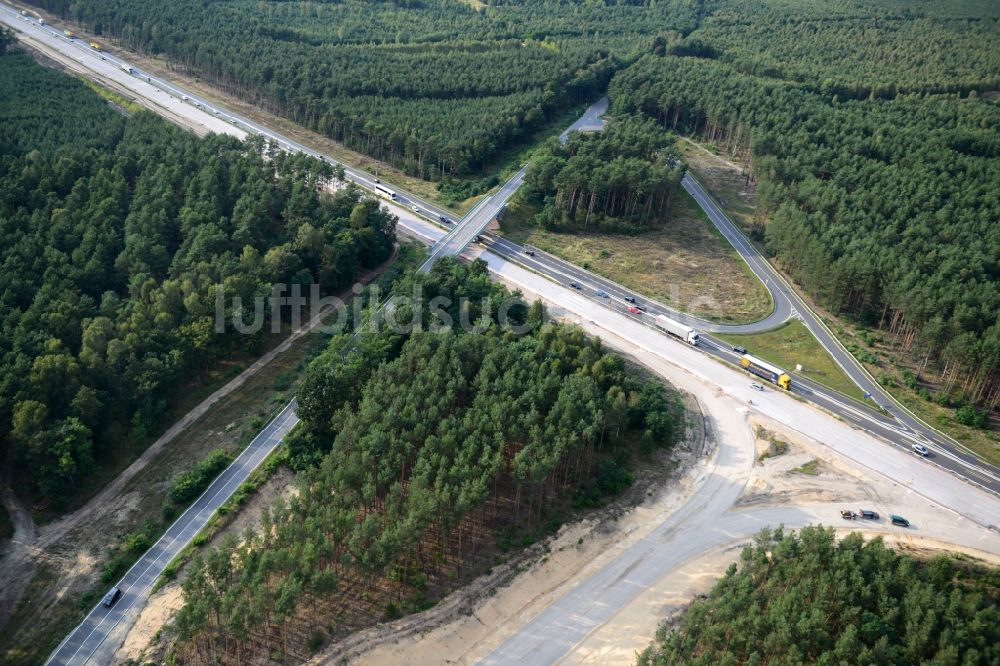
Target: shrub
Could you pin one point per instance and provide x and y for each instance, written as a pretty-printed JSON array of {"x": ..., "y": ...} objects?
[
  {"x": 972, "y": 417},
  {"x": 189, "y": 485}
]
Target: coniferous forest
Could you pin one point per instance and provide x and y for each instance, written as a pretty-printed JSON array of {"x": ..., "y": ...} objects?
[
  {"x": 870, "y": 132},
  {"x": 435, "y": 87},
  {"x": 869, "y": 128},
  {"x": 622, "y": 179},
  {"x": 807, "y": 598},
  {"x": 113, "y": 244},
  {"x": 421, "y": 455}
]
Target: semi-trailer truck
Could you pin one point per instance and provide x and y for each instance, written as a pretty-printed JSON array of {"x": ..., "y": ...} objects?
[
  {"x": 765, "y": 370},
  {"x": 675, "y": 328}
]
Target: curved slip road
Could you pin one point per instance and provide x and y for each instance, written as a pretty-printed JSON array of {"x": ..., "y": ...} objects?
[{"x": 172, "y": 101}]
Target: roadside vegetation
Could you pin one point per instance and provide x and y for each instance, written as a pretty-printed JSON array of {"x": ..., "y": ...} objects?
[
  {"x": 873, "y": 170},
  {"x": 791, "y": 344},
  {"x": 423, "y": 457},
  {"x": 115, "y": 242},
  {"x": 808, "y": 598},
  {"x": 437, "y": 88},
  {"x": 914, "y": 381},
  {"x": 683, "y": 264}
]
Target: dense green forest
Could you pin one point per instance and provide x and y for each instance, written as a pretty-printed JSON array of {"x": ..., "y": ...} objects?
[
  {"x": 421, "y": 455},
  {"x": 436, "y": 87},
  {"x": 113, "y": 244},
  {"x": 808, "y": 599},
  {"x": 882, "y": 203},
  {"x": 624, "y": 178}
]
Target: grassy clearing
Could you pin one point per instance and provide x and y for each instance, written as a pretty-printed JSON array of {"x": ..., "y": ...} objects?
[
  {"x": 919, "y": 389},
  {"x": 791, "y": 344},
  {"x": 810, "y": 468},
  {"x": 724, "y": 179},
  {"x": 685, "y": 264}
]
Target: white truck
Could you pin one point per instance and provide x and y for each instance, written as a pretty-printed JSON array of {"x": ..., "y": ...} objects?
[
  {"x": 675, "y": 328},
  {"x": 127, "y": 69}
]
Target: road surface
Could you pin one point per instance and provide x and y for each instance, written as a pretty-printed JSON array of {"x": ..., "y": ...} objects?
[
  {"x": 172, "y": 101},
  {"x": 88, "y": 637},
  {"x": 707, "y": 519}
]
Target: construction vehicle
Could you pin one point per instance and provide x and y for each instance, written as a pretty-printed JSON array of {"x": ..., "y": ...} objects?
[
  {"x": 96, "y": 46},
  {"x": 69, "y": 33},
  {"x": 765, "y": 370},
  {"x": 675, "y": 328}
]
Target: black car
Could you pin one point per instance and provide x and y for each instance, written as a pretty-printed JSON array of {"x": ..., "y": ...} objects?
[
  {"x": 444, "y": 220},
  {"x": 629, "y": 299},
  {"x": 870, "y": 515},
  {"x": 740, "y": 349},
  {"x": 111, "y": 597},
  {"x": 640, "y": 308},
  {"x": 530, "y": 253},
  {"x": 899, "y": 520},
  {"x": 575, "y": 285}
]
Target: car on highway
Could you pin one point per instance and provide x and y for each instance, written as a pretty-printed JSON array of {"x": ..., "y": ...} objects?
[
  {"x": 530, "y": 253},
  {"x": 444, "y": 220},
  {"x": 634, "y": 310},
  {"x": 899, "y": 520},
  {"x": 113, "y": 595},
  {"x": 185, "y": 97},
  {"x": 602, "y": 293},
  {"x": 575, "y": 285},
  {"x": 630, "y": 299},
  {"x": 757, "y": 387},
  {"x": 920, "y": 450},
  {"x": 416, "y": 209},
  {"x": 640, "y": 308},
  {"x": 868, "y": 514},
  {"x": 739, "y": 349}
]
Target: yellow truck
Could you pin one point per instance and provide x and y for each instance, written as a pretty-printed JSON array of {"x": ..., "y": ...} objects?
[
  {"x": 95, "y": 46},
  {"x": 69, "y": 33},
  {"x": 766, "y": 371}
]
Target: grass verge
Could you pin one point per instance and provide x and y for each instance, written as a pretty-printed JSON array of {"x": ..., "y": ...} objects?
[
  {"x": 791, "y": 344},
  {"x": 684, "y": 264}
]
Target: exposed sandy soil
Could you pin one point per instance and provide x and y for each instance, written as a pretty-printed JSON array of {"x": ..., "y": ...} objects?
[
  {"x": 62, "y": 560},
  {"x": 445, "y": 633},
  {"x": 581, "y": 549},
  {"x": 142, "y": 641}
]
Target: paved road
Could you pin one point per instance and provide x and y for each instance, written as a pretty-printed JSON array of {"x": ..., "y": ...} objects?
[
  {"x": 883, "y": 424},
  {"x": 88, "y": 637},
  {"x": 173, "y": 101},
  {"x": 473, "y": 224},
  {"x": 708, "y": 519}
]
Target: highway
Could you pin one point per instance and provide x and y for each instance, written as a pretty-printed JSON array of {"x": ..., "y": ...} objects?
[
  {"x": 901, "y": 429},
  {"x": 89, "y": 636},
  {"x": 939, "y": 505}
]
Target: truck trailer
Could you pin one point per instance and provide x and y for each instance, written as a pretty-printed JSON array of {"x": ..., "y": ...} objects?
[
  {"x": 675, "y": 328},
  {"x": 765, "y": 370}
]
